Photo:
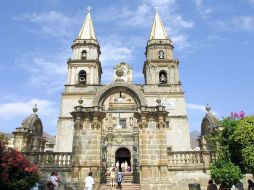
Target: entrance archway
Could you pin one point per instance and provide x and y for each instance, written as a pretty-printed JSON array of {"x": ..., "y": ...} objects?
[{"x": 123, "y": 155}]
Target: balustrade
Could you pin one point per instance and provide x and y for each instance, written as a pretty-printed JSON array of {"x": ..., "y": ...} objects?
[
  {"x": 50, "y": 159},
  {"x": 185, "y": 158}
]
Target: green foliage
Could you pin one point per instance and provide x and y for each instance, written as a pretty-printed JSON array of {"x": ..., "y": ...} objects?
[
  {"x": 235, "y": 149},
  {"x": 16, "y": 172},
  {"x": 242, "y": 144},
  {"x": 225, "y": 173}
]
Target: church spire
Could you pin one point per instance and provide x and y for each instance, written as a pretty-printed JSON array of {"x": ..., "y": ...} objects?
[
  {"x": 158, "y": 30},
  {"x": 87, "y": 30}
]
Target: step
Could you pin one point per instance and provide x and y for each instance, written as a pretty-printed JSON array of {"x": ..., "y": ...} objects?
[{"x": 125, "y": 186}]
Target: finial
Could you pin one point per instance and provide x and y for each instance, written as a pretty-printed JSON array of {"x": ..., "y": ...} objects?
[
  {"x": 89, "y": 8},
  {"x": 156, "y": 9},
  {"x": 207, "y": 108},
  {"x": 80, "y": 101},
  {"x": 35, "y": 109}
]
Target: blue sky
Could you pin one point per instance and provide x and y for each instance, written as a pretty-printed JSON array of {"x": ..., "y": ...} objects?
[{"x": 213, "y": 40}]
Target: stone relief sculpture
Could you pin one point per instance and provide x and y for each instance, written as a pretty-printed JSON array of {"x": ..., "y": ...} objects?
[
  {"x": 96, "y": 124},
  {"x": 161, "y": 124},
  {"x": 78, "y": 124},
  {"x": 143, "y": 124}
]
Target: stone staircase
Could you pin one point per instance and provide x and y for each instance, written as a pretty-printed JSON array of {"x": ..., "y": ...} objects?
[{"x": 127, "y": 183}]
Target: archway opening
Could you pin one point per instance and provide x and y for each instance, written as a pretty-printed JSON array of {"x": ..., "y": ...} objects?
[{"x": 123, "y": 159}]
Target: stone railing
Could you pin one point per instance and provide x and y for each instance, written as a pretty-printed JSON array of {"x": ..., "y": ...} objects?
[
  {"x": 50, "y": 159},
  {"x": 191, "y": 158}
]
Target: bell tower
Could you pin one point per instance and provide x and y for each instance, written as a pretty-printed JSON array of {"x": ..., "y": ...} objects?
[
  {"x": 84, "y": 67},
  {"x": 160, "y": 67}
]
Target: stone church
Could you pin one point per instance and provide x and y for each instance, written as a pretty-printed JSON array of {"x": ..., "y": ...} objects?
[{"x": 142, "y": 126}]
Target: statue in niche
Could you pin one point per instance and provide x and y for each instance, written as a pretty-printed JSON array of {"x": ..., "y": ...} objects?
[{"x": 152, "y": 69}]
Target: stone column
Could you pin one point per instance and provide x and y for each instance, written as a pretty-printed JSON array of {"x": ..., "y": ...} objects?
[
  {"x": 153, "y": 148},
  {"x": 78, "y": 117},
  {"x": 86, "y": 144}
]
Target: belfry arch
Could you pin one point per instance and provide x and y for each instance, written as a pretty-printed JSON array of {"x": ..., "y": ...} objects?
[{"x": 118, "y": 87}]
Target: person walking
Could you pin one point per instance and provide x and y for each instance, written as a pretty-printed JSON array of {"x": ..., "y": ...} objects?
[
  {"x": 89, "y": 182},
  {"x": 112, "y": 177},
  {"x": 211, "y": 185},
  {"x": 119, "y": 178}
]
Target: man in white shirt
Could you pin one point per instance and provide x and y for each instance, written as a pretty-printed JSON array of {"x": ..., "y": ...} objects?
[{"x": 89, "y": 182}]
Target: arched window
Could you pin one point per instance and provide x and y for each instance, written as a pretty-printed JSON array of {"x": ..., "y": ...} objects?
[
  {"x": 161, "y": 54},
  {"x": 84, "y": 55},
  {"x": 82, "y": 77},
  {"x": 163, "y": 77}
]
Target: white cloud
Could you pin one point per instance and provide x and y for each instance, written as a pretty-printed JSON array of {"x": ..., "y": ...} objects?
[
  {"x": 114, "y": 50},
  {"x": 52, "y": 23},
  {"x": 244, "y": 23},
  {"x": 20, "y": 110},
  {"x": 46, "y": 72},
  {"x": 213, "y": 37},
  {"x": 181, "y": 41},
  {"x": 204, "y": 10},
  {"x": 197, "y": 107},
  {"x": 175, "y": 23},
  {"x": 240, "y": 23}
]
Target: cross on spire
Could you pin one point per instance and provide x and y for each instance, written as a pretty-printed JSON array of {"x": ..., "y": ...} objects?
[
  {"x": 156, "y": 8},
  {"x": 89, "y": 8}
]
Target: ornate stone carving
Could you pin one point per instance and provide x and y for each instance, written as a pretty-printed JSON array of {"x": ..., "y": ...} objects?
[
  {"x": 78, "y": 124},
  {"x": 161, "y": 124},
  {"x": 143, "y": 124},
  {"x": 202, "y": 143},
  {"x": 164, "y": 172},
  {"x": 96, "y": 124}
]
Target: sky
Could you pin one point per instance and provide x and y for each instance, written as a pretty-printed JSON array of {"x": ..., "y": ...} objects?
[{"x": 213, "y": 40}]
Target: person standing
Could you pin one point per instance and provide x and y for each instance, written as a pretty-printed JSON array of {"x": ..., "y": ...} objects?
[
  {"x": 89, "y": 182},
  {"x": 57, "y": 181},
  {"x": 52, "y": 181},
  {"x": 211, "y": 185},
  {"x": 112, "y": 177},
  {"x": 119, "y": 177}
]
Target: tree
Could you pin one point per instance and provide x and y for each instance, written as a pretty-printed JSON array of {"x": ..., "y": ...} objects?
[
  {"x": 242, "y": 144},
  {"x": 235, "y": 149},
  {"x": 16, "y": 172},
  {"x": 225, "y": 173}
]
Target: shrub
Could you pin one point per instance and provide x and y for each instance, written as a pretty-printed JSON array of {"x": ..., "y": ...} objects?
[
  {"x": 16, "y": 171},
  {"x": 225, "y": 173}
]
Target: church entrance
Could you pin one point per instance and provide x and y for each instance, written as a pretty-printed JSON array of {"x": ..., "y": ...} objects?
[{"x": 123, "y": 159}]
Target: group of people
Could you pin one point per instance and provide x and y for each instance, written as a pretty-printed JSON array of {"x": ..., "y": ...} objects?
[
  {"x": 239, "y": 186},
  {"x": 124, "y": 167},
  {"x": 114, "y": 173}
]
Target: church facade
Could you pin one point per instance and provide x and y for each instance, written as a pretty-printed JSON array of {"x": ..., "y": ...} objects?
[{"x": 139, "y": 128}]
